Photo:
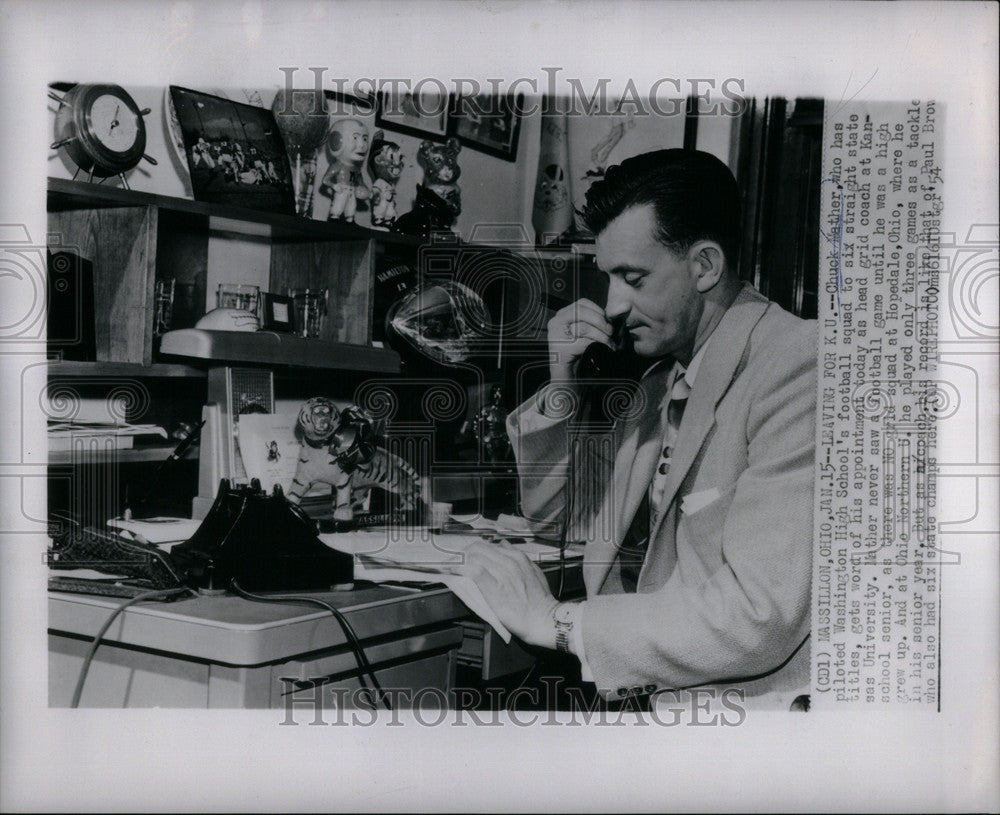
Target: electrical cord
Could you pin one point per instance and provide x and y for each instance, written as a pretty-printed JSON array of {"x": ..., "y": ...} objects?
[
  {"x": 364, "y": 665},
  {"x": 526, "y": 677},
  {"x": 89, "y": 658}
]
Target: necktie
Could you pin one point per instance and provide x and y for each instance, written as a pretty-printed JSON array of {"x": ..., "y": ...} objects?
[{"x": 632, "y": 553}]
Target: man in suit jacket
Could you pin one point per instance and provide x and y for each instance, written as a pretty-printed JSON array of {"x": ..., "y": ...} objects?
[{"x": 698, "y": 518}]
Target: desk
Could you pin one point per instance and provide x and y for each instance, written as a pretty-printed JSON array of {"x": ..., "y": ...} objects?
[{"x": 227, "y": 652}]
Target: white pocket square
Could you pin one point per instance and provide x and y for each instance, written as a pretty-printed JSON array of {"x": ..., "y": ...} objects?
[{"x": 694, "y": 501}]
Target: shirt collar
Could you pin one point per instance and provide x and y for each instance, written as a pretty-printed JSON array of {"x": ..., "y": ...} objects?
[{"x": 691, "y": 372}]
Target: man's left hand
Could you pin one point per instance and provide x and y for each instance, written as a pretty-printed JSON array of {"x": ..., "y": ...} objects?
[{"x": 516, "y": 590}]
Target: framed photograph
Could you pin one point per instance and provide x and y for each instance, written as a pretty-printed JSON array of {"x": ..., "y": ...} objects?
[
  {"x": 424, "y": 115},
  {"x": 340, "y": 105},
  {"x": 488, "y": 123},
  {"x": 279, "y": 315},
  {"x": 234, "y": 152}
]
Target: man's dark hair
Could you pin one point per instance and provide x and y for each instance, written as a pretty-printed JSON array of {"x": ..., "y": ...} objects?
[{"x": 694, "y": 195}]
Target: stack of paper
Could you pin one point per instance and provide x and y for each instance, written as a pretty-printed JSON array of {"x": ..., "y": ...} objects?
[
  {"x": 415, "y": 555},
  {"x": 162, "y": 531},
  {"x": 424, "y": 550},
  {"x": 505, "y": 525},
  {"x": 107, "y": 435}
]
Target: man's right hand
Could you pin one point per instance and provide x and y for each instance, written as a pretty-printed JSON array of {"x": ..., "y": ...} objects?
[{"x": 570, "y": 331}]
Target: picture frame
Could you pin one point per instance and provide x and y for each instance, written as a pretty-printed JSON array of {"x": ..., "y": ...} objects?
[
  {"x": 487, "y": 123},
  {"x": 234, "y": 151},
  {"x": 341, "y": 104},
  {"x": 424, "y": 115},
  {"x": 279, "y": 313}
]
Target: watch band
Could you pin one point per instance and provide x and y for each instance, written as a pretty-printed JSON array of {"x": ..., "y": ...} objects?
[{"x": 563, "y": 615}]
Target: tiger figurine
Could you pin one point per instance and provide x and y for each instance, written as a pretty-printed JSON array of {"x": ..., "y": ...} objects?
[{"x": 329, "y": 455}]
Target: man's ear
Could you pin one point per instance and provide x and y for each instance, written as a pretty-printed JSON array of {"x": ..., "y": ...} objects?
[{"x": 706, "y": 261}]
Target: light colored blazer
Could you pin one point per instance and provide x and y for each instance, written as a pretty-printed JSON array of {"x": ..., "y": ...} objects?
[{"x": 724, "y": 593}]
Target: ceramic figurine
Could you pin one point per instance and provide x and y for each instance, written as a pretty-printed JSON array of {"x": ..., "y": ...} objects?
[
  {"x": 385, "y": 165},
  {"x": 430, "y": 214},
  {"x": 439, "y": 199},
  {"x": 344, "y": 182},
  {"x": 441, "y": 171},
  {"x": 327, "y": 456}
]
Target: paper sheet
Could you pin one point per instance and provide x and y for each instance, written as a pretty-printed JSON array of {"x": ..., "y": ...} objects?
[
  {"x": 432, "y": 558},
  {"x": 463, "y": 588},
  {"x": 159, "y": 530},
  {"x": 425, "y": 548}
]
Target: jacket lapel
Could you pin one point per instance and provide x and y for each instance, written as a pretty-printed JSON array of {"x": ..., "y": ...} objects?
[
  {"x": 718, "y": 367},
  {"x": 634, "y": 464}
]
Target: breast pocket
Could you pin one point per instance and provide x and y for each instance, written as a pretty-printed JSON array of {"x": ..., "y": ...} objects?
[{"x": 701, "y": 531}]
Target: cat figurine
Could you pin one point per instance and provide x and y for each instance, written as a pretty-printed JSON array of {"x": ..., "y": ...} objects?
[
  {"x": 441, "y": 171},
  {"x": 385, "y": 165}
]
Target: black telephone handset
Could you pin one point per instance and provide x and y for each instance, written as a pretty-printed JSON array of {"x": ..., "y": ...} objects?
[
  {"x": 608, "y": 370},
  {"x": 602, "y": 362}
]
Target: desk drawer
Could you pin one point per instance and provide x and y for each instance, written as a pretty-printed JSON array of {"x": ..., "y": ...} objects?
[
  {"x": 416, "y": 670},
  {"x": 483, "y": 648},
  {"x": 127, "y": 676}
]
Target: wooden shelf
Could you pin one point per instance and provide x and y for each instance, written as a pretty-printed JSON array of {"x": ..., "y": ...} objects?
[
  {"x": 65, "y": 194},
  {"x": 69, "y": 195},
  {"x": 270, "y": 348},
  {"x": 131, "y": 455},
  {"x": 132, "y": 239},
  {"x": 158, "y": 370}
]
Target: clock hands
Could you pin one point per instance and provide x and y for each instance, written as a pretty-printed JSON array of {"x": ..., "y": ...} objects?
[{"x": 101, "y": 145}]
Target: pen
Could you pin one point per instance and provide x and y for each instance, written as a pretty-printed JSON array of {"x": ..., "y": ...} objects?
[
  {"x": 186, "y": 443},
  {"x": 179, "y": 451}
]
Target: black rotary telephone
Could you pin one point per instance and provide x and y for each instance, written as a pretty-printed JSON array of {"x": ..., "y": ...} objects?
[{"x": 262, "y": 541}]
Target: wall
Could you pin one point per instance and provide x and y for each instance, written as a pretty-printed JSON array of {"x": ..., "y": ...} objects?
[
  {"x": 490, "y": 186},
  {"x": 494, "y": 191}
]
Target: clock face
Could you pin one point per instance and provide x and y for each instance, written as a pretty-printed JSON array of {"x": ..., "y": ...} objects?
[
  {"x": 102, "y": 129},
  {"x": 113, "y": 123}
]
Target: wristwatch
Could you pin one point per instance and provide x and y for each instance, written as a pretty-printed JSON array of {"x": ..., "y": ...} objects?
[{"x": 563, "y": 615}]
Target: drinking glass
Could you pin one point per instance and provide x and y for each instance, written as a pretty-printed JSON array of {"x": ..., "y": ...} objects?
[
  {"x": 163, "y": 305},
  {"x": 238, "y": 295},
  {"x": 310, "y": 310}
]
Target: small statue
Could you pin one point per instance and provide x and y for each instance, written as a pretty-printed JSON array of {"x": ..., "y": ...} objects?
[
  {"x": 338, "y": 449},
  {"x": 344, "y": 182},
  {"x": 551, "y": 192},
  {"x": 489, "y": 429},
  {"x": 439, "y": 198},
  {"x": 441, "y": 171},
  {"x": 430, "y": 214},
  {"x": 385, "y": 165}
]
